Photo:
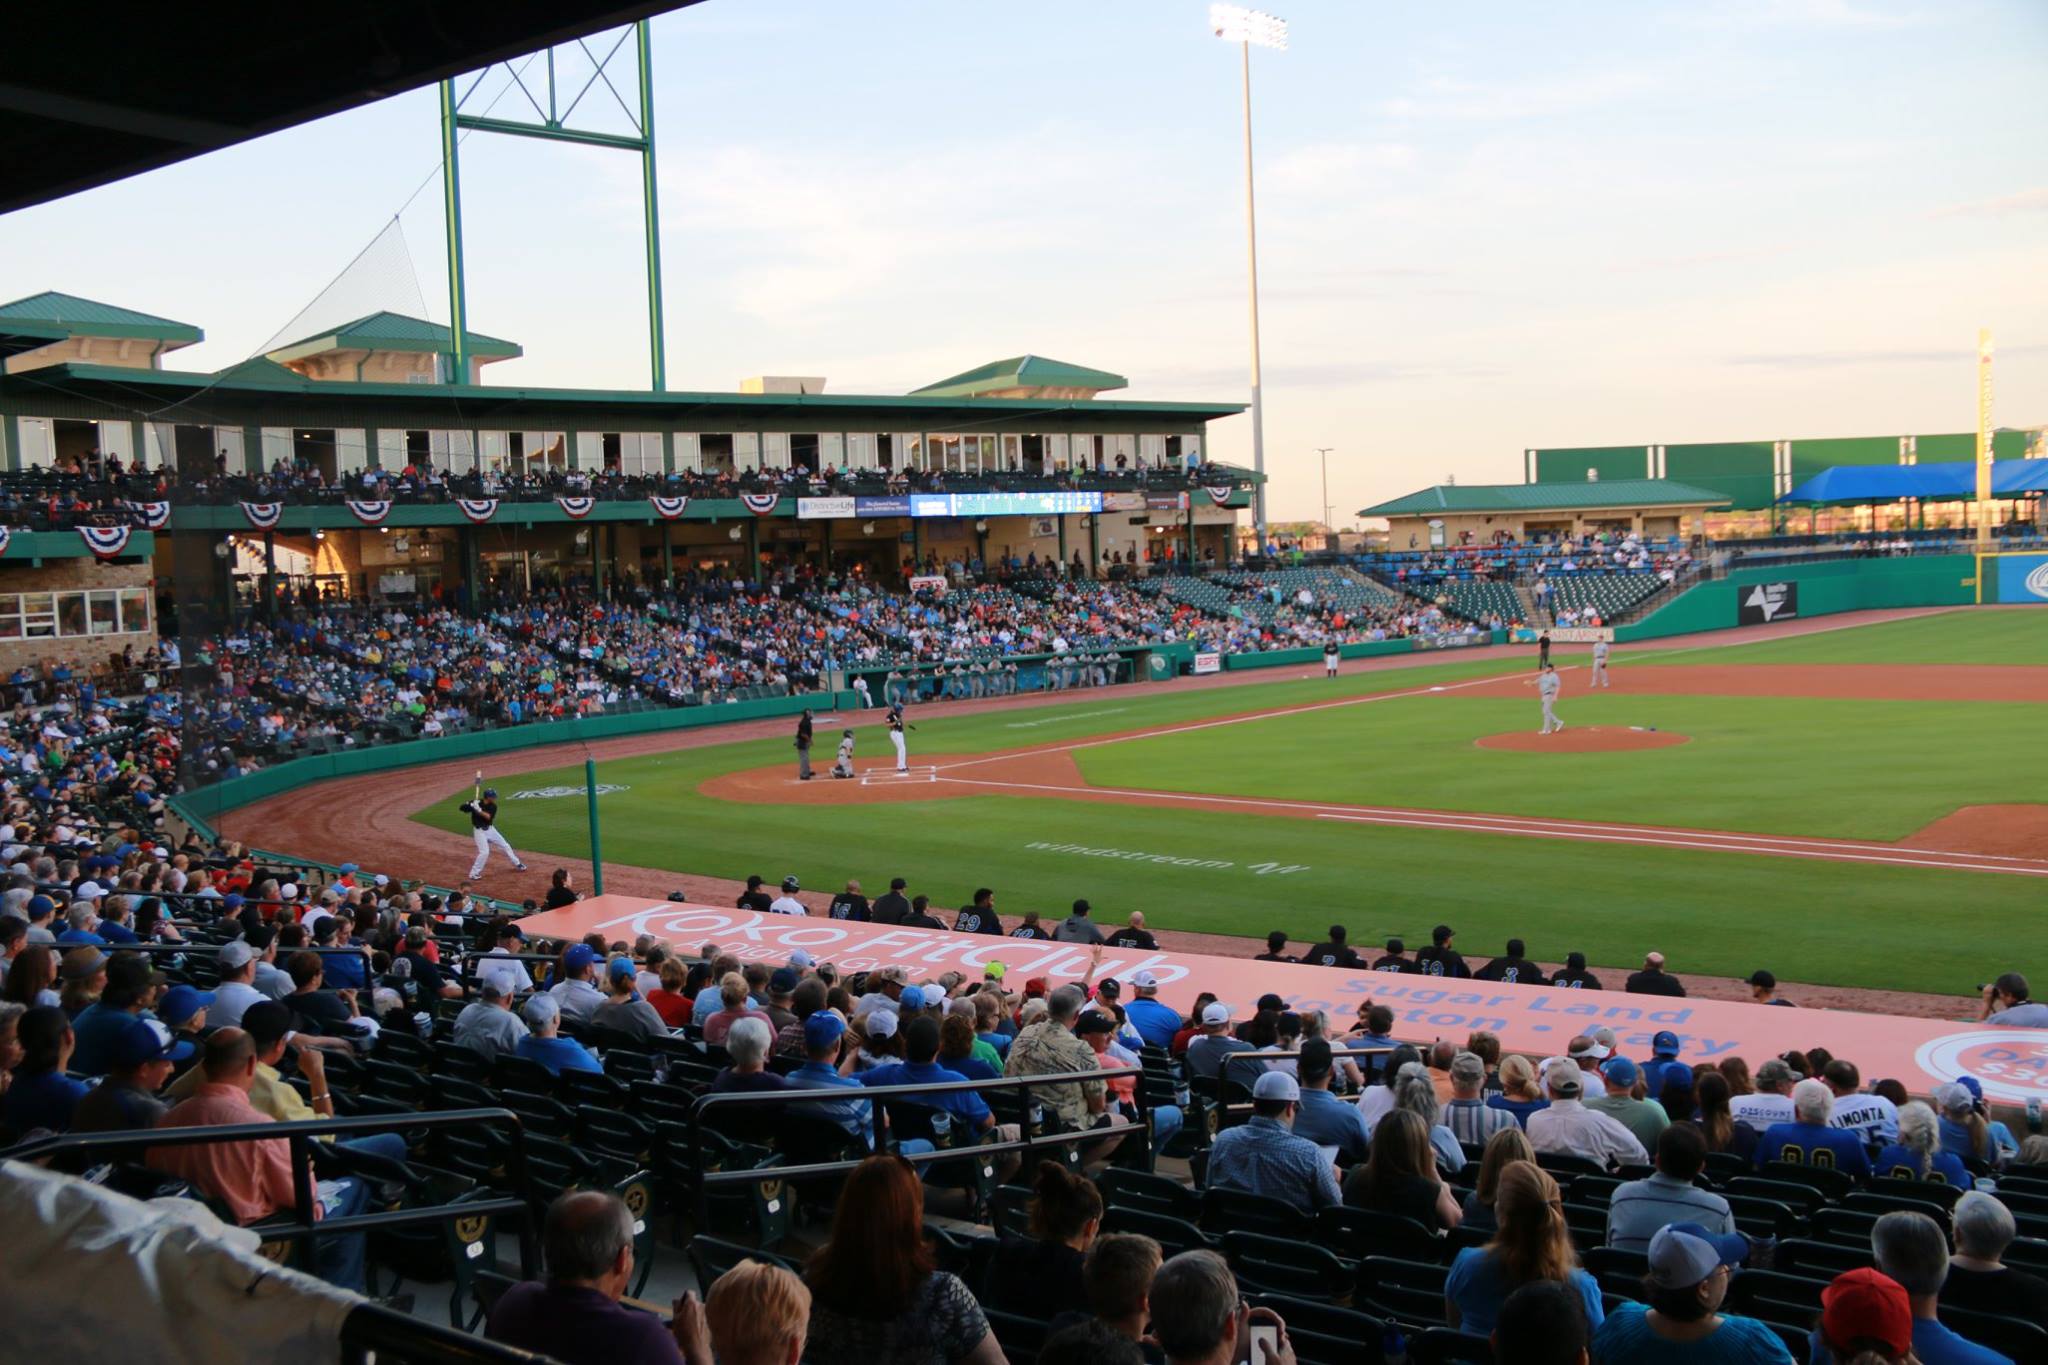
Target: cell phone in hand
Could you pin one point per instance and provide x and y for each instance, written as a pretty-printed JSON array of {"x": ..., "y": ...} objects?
[{"x": 1265, "y": 1343}]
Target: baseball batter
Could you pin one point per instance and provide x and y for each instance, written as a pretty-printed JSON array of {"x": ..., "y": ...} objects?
[
  {"x": 1599, "y": 663},
  {"x": 844, "y": 766},
  {"x": 1547, "y": 688},
  {"x": 482, "y": 810},
  {"x": 897, "y": 725}
]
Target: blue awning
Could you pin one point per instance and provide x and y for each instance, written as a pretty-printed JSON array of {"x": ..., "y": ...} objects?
[{"x": 1944, "y": 480}]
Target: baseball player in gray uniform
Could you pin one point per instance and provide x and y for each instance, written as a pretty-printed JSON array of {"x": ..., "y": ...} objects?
[
  {"x": 1599, "y": 664},
  {"x": 843, "y": 767},
  {"x": 1547, "y": 688}
]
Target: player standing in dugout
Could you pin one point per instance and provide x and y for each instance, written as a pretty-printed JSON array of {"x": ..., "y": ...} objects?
[{"x": 482, "y": 810}]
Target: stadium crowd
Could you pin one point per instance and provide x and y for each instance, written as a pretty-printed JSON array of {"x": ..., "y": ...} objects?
[{"x": 1635, "y": 1205}]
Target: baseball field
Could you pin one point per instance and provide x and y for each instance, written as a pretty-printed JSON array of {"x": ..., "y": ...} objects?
[{"x": 1860, "y": 807}]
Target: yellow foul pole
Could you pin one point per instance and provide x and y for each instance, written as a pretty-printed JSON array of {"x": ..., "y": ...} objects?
[{"x": 1983, "y": 443}]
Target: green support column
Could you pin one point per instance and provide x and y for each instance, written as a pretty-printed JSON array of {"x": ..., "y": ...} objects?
[
  {"x": 916, "y": 545},
  {"x": 252, "y": 451},
  {"x": 269, "y": 574},
  {"x": 597, "y": 560},
  {"x": 1094, "y": 543},
  {"x": 1063, "y": 544},
  {"x": 649, "y": 200},
  {"x": 372, "y": 457},
  {"x": 451, "y": 210},
  {"x": 668, "y": 452},
  {"x": 668, "y": 553},
  {"x": 753, "y": 546},
  {"x": 1191, "y": 532}
]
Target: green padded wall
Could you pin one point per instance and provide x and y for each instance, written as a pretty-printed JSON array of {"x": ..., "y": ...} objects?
[
  {"x": 1811, "y": 457},
  {"x": 1741, "y": 471},
  {"x": 1962, "y": 445},
  {"x": 1571, "y": 464}
]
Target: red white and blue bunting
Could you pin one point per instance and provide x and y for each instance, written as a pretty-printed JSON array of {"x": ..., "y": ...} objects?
[
  {"x": 760, "y": 504},
  {"x": 577, "y": 508},
  {"x": 154, "y": 516},
  {"x": 263, "y": 515},
  {"x": 106, "y": 541},
  {"x": 1220, "y": 496},
  {"x": 370, "y": 513},
  {"x": 6, "y": 534},
  {"x": 668, "y": 509},
  {"x": 478, "y": 510}
]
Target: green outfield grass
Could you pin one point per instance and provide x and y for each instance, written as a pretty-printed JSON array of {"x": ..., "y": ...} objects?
[
  {"x": 1868, "y": 769},
  {"x": 2019, "y": 636}
]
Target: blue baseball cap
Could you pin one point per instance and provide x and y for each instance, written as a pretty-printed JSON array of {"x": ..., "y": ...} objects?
[
  {"x": 1665, "y": 1044},
  {"x": 347, "y": 868},
  {"x": 233, "y": 900},
  {"x": 622, "y": 967},
  {"x": 180, "y": 1003},
  {"x": 912, "y": 998},
  {"x": 145, "y": 1041},
  {"x": 1621, "y": 1071},
  {"x": 39, "y": 905},
  {"x": 823, "y": 1029},
  {"x": 782, "y": 981},
  {"x": 580, "y": 955}
]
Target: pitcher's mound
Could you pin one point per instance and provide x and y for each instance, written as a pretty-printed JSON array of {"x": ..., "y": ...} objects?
[
  {"x": 2002, "y": 831},
  {"x": 1585, "y": 739}
]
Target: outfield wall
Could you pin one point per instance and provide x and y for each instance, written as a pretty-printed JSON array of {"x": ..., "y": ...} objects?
[
  {"x": 2015, "y": 580},
  {"x": 1794, "y": 591}
]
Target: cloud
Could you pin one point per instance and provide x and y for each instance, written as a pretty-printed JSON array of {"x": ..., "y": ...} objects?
[
  {"x": 1824, "y": 14},
  {"x": 1325, "y": 165},
  {"x": 2003, "y": 206},
  {"x": 1446, "y": 97}
]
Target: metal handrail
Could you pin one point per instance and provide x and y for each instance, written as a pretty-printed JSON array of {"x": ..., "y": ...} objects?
[
  {"x": 301, "y": 1134},
  {"x": 842, "y": 1094}
]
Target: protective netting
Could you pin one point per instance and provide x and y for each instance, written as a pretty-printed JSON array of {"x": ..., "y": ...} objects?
[{"x": 382, "y": 277}]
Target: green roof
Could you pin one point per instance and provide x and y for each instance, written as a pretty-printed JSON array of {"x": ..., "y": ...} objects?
[
  {"x": 1023, "y": 372},
  {"x": 388, "y": 331},
  {"x": 72, "y": 316},
  {"x": 1546, "y": 497}
]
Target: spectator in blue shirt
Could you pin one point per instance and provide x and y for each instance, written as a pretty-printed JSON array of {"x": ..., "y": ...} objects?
[
  {"x": 1155, "y": 1023},
  {"x": 1964, "y": 1131},
  {"x": 1918, "y": 1154},
  {"x": 1689, "y": 1273},
  {"x": 1533, "y": 1243},
  {"x": 99, "y": 1026},
  {"x": 1912, "y": 1249},
  {"x": 1324, "y": 1119},
  {"x": 1263, "y": 1156},
  {"x": 1664, "y": 1069},
  {"x": 921, "y": 1050},
  {"x": 823, "y": 1033},
  {"x": 1808, "y": 1141},
  {"x": 42, "y": 1096},
  {"x": 546, "y": 1045},
  {"x": 344, "y": 971}
]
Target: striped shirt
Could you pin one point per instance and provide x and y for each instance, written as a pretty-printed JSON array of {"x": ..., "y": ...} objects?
[
  {"x": 1640, "y": 1208},
  {"x": 1474, "y": 1121}
]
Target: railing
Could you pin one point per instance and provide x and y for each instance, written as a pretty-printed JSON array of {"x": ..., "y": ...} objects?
[
  {"x": 375, "y": 1335},
  {"x": 301, "y": 1135},
  {"x": 919, "y": 1095}
]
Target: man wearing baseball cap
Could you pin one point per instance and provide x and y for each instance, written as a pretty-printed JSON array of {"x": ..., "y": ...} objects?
[
  {"x": 824, "y": 1056},
  {"x": 233, "y": 996},
  {"x": 787, "y": 903},
  {"x": 1155, "y": 1023},
  {"x": 1690, "y": 1269},
  {"x": 1207, "y": 1049},
  {"x": 1664, "y": 1068},
  {"x": 1763, "y": 989},
  {"x": 142, "y": 1059},
  {"x": 1864, "y": 1310},
  {"x": 1568, "y": 1127},
  {"x": 1263, "y": 1156},
  {"x": 1618, "y": 1076},
  {"x": 574, "y": 994}
]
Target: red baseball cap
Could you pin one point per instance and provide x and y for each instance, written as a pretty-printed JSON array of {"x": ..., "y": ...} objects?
[
  {"x": 1867, "y": 1306},
  {"x": 1034, "y": 988}
]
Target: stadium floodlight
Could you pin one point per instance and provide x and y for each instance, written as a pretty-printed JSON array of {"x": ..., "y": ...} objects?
[
  {"x": 1247, "y": 28},
  {"x": 1236, "y": 24}
]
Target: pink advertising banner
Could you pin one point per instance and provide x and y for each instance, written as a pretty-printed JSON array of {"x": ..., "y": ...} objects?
[{"x": 2011, "y": 1063}]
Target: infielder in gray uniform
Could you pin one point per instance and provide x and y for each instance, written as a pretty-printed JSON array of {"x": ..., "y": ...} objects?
[
  {"x": 1547, "y": 687},
  {"x": 1599, "y": 664}
]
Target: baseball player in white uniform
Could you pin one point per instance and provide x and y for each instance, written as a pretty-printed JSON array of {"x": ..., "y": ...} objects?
[
  {"x": 1547, "y": 688},
  {"x": 897, "y": 725},
  {"x": 860, "y": 687},
  {"x": 482, "y": 810},
  {"x": 1599, "y": 664}
]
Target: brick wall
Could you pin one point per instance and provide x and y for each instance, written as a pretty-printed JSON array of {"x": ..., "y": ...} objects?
[{"x": 82, "y": 651}]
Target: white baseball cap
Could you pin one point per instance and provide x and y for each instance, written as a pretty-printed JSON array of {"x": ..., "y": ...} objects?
[
  {"x": 1215, "y": 1012},
  {"x": 1145, "y": 981},
  {"x": 88, "y": 891},
  {"x": 1277, "y": 1085},
  {"x": 882, "y": 1024}
]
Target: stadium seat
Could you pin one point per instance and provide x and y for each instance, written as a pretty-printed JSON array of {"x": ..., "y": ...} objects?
[
  {"x": 1562, "y": 1164},
  {"x": 1236, "y": 1211},
  {"x": 1443, "y": 1346},
  {"x": 1409, "y": 1292},
  {"x": 1830, "y": 1182},
  {"x": 1174, "y": 1235},
  {"x": 1356, "y": 1233},
  {"x": 711, "y": 1257},
  {"x": 1282, "y": 1265},
  {"x": 2015, "y": 1338},
  {"x": 1021, "y": 1338},
  {"x": 1154, "y": 1193},
  {"x": 1825, "y": 1260},
  {"x": 1804, "y": 1200},
  {"x": 1323, "y": 1334}
]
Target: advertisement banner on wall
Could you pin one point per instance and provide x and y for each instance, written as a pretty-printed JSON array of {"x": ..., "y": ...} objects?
[
  {"x": 1208, "y": 661},
  {"x": 1123, "y": 502},
  {"x": 2023, "y": 578},
  {"x": 1762, "y": 603},
  {"x": 1531, "y": 1020},
  {"x": 1451, "y": 641},
  {"x": 882, "y": 507},
  {"x": 822, "y": 509},
  {"x": 929, "y": 582},
  {"x": 1166, "y": 502},
  {"x": 1565, "y": 635}
]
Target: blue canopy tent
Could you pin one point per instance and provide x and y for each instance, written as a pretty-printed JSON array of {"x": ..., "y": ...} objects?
[{"x": 1928, "y": 482}]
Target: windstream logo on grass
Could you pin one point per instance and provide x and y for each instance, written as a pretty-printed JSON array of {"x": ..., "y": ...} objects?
[
  {"x": 1167, "y": 859},
  {"x": 556, "y": 793}
]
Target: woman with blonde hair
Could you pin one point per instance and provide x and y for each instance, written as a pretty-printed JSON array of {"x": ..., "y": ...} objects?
[
  {"x": 1918, "y": 1154},
  {"x": 1506, "y": 1146},
  {"x": 758, "y": 1314},
  {"x": 1519, "y": 1093},
  {"x": 1532, "y": 1244}
]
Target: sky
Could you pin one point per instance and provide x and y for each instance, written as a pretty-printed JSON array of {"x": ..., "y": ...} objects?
[{"x": 1482, "y": 227}]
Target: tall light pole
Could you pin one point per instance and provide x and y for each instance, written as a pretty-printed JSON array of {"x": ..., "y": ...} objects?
[
  {"x": 1235, "y": 24},
  {"x": 1323, "y": 454}
]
